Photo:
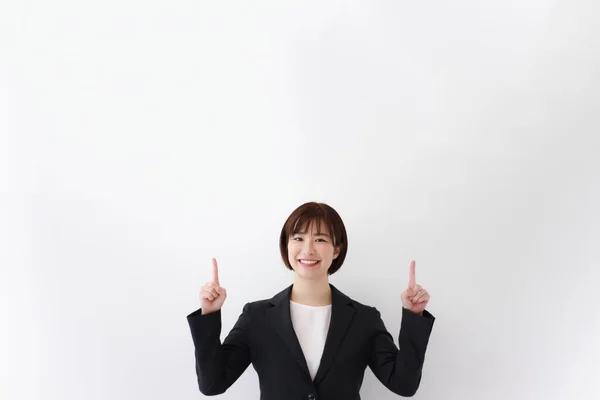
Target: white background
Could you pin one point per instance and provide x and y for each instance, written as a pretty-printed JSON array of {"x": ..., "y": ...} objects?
[{"x": 140, "y": 139}]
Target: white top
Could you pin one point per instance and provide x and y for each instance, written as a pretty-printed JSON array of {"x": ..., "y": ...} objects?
[{"x": 311, "y": 324}]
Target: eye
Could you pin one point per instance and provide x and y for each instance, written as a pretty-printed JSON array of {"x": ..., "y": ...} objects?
[{"x": 322, "y": 240}]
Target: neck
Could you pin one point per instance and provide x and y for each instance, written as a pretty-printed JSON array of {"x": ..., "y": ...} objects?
[{"x": 311, "y": 293}]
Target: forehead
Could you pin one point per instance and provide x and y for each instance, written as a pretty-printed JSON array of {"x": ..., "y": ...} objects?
[{"x": 312, "y": 226}]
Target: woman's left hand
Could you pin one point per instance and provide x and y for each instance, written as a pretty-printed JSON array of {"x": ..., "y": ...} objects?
[{"x": 415, "y": 298}]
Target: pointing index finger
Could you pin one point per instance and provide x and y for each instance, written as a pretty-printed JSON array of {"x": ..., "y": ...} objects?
[
  {"x": 411, "y": 275},
  {"x": 215, "y": 272}
]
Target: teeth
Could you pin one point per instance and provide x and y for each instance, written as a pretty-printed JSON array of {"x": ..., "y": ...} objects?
[{"x": 308, "y": 262}]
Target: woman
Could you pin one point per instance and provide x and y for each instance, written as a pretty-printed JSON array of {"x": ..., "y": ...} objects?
[{"x": 310, "y": 341}]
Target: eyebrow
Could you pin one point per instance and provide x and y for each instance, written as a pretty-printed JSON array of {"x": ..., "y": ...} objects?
[{"x": 318, "y": 234}]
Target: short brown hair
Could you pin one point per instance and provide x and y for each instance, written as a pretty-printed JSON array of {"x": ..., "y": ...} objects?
[{"x": 301, "y": 218}]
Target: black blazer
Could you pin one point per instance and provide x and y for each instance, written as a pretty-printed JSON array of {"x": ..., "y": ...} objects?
[{"x": 264, "y": 336}]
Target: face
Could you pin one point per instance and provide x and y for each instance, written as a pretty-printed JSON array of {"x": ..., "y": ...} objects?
[{"x": 310, "y": 253}]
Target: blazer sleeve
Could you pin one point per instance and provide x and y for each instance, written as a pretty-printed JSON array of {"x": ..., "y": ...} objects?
[
  {"x": 400, "y": 370},
  {"x": 218, "y": 365}
]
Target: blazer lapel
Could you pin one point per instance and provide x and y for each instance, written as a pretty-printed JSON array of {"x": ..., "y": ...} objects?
[
  {"x": 280, "y": 317},
  {"x": 342, "y": 313}
]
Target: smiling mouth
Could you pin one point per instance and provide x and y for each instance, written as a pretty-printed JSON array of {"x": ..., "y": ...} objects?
[{"x": 309, "y": 263}]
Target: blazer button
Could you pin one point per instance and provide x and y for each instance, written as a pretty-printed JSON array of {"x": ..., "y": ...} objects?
[{"x": 312, "y": 396}]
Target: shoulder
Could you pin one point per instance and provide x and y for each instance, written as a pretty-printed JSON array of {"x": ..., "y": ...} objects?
[
  {"x": 257, "y": 305},
  {"x": 261, "y": 305},
  {"x": 361, "y": 308}
]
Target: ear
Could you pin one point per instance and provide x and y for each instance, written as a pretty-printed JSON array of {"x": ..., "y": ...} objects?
[{"x": 336, "y": 252}]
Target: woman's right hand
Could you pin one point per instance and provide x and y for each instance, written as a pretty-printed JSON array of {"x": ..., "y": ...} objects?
[{"x": 212, "y": 295}]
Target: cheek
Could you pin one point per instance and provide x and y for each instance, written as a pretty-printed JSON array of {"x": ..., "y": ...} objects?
[
  {"x": 292, "y": 248},
  {"x": 327, "y": 253}
]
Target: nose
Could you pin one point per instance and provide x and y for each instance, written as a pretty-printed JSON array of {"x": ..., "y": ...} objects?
[{"x": 308, "y": 247}]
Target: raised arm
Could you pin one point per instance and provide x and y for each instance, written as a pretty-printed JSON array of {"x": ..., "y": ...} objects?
[{"x": 218, "y": 365}]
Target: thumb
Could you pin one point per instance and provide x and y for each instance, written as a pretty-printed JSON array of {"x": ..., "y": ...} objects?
[{"x": 405, "y": 295}]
